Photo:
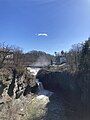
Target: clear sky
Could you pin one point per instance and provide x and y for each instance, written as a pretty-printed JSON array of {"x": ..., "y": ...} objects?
[{"x": 47, "y": 25}]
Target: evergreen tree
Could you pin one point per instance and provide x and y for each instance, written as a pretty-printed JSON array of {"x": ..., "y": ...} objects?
[{"x": 85, "y": 57}]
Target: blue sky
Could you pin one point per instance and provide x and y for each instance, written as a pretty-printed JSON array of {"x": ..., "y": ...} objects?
[{"x": 46, "y": 25}]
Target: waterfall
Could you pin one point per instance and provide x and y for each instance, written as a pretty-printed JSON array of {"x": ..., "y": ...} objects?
[
  {"x": 40, "y": 85},
  {"x": 33, "y": 71},
  {"x": 41, "y": 90}
]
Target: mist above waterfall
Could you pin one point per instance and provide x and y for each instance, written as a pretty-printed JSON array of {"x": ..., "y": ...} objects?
[{"x": 42, "y": 61}]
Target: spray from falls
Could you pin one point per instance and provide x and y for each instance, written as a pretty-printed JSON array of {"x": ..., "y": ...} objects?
[{"x": 42, "y": 61}]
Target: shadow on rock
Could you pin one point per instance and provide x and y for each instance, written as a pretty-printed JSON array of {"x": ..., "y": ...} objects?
[{"x": 55, "y": 109}]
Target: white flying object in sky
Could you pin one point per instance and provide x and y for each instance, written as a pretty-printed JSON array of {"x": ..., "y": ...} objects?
[{"x": 42, "y": 34}]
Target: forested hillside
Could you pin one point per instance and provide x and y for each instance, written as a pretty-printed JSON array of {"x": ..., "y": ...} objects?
[{"x": 34, "y": 56}]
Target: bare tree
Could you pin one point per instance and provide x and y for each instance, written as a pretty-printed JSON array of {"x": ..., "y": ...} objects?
[
  {"x": 5, "y": 54},
  {"x": 73, "y": 56}
]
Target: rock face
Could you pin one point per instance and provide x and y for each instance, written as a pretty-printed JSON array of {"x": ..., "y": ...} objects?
[
  {"x": 47, "y": 108},
  {"x": 53, "y": 80},
  {"x": 17, "y": 101},
  {"x": 2, "y": 86},
  {"x": 29, "y": 107},
  {"x": 61, "y": 82},
  {"x": 74, "y": 89},
  {"x": 12, "y": 84},
  {"x": 16, "y": 85}
]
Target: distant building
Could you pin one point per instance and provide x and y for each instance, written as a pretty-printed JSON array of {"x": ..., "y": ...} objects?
[{"x": 60, "y": 58}]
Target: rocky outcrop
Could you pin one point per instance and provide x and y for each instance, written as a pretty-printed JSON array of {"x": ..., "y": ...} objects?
[
  {"x": 60, "y": 82},
  {"x": 73, "y": 88},
  {"x": 16, "y": 85}
]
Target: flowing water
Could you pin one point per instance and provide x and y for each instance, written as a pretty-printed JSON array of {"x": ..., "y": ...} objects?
[
  {"x": 33, "y": 71},
  {"x": 42, "y": 91}
]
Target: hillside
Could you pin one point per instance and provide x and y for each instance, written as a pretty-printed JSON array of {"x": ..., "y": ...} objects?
[{"x": 37, "y": 57}]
